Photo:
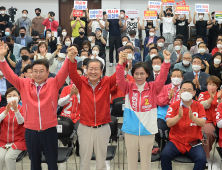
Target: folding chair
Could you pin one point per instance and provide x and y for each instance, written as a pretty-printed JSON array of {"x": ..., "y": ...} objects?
[
  {"x": 156, "y": 157},
  {"x": 65, "y": 131},
  {"x": 21, "y": 156},
  {"x": 111, "y": 149},
  {"x": 182, "y": 158},
  {"x": 219, "y": 150},
  {"x": 117, "y": 111}
]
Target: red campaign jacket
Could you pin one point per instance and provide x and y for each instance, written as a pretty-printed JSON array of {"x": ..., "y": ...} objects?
[
  {"x": 51, "y": 25},
  {"x": 185, "y": 130},
  {"x": 71, "y": 109},
  {"x": 11, "y": 131},
  {"x": 94, "y": 105},
  {"x": 211, "y": 112},
  {"x": 117, "y": 92},
  {"x": 219, "y": 118},
  {"x": 163, "y": 97},
  {"x": 215, "y": 50}
]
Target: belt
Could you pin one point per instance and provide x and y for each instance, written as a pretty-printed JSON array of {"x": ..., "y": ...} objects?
[{"x": 96, "y": 126}]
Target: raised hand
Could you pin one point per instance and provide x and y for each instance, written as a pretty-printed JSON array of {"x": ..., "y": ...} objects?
[
  {"x": 122, "y": 57},
  {"x": 166, "y": 55},
  {"x": 72, "y": 53},
  {"x": 3, "y": 50},
  {"x": 206, "y": 63}
]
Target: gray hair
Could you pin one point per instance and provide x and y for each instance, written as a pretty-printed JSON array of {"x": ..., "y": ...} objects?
[
  {"x": 187, "y": 53},
  {"x": 96, "y": 46},
  {"x": 95, "y": 60}
]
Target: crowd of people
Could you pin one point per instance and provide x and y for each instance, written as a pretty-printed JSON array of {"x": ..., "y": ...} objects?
[{"x": 169, "y": 87}]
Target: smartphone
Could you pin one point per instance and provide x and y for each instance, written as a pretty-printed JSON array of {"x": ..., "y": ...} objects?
[{"x": 195, "y": 143}]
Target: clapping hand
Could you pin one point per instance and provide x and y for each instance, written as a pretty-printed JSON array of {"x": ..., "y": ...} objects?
[{"x": 3, "y": 50}]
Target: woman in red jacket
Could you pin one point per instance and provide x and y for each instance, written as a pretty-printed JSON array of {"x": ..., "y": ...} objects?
[
  {"x": 210, "y": 100},
  {"x": 12, "y": 133},
  {"x": 218, "y": 48}
]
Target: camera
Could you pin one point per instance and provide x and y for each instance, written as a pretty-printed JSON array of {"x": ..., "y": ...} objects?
[{"x": 12, "y": 13}]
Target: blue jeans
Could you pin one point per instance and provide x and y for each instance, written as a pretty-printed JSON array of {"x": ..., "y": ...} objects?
[{"x": 170, "y": 151}]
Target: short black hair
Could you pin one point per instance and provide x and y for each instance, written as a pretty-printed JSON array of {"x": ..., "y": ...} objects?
[
  {"x": 95, "y": 60},
  {"x": 48, "y": 30},
  {"x": 99, "y": 29},
  {"x": 24, "y": 48},
  {"x": 201, "y": 43},
  {"x": 12, "y": 89},
  {"x": 169, "y": 9},
  {"x": 44, "y": 62},
  {"x": 157, "y": 57},
  {"x": 212, "y": 12},
  {"x": 189, "y": 82},
  {"x": 8, "y": 28},
  {"x": 179, "y": 36},
  {"x": 9, "y": 38},
  {"x": 126, "y": 37},
  {"x": 80, "y": 69},
  {"x": 132, "y": 32},
  {"x": 29, "y": 66},
  {"x": 92, "y": 34},
  {"x": 154, "y": 48},
  {"x": 2, "y": 8},
  {"x": 85, "y": 61},
  {"x": 198, "y": 57},
  {"x": 216, "y": 54},
  {"x": 85, "y": 51},
  {"x": 152, "y": 44},
  {"x": 25, "y": 10},
  {"x": 22, "y": 28},
  {"x": 218, "y": 40},
  {"x": 122, "y": 11},
  {"x": 199, "y": 36},
  {"x": 81, "y": 28},
  {"x": 139, "y": 65},
  {"x": 177, "y": 69},
  {"x": 104, "y": 12},
  {"x": 38, "y": 9},
  {"x": 52, "y": 13},
  {"x": 128, "y": 47},
  {"x": 160, "y": 37},
  {"x": 35, "y": 33}
]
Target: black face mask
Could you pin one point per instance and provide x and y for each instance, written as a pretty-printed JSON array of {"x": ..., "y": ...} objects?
[
  {"x": 25, "y": 57},
  {"x": 10, "y": 45},
  {"x": 22, "y": 34},
  {"x": 81, "y": 33},
  {"x": 37, "y": 14},
  {"x": 213, "y": 18},
  {"x": 168, "y": 14},
  {"x": 35, "y": 39}
]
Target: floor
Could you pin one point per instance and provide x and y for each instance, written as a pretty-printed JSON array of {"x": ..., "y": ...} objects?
[{"x": 120, "y": 166}]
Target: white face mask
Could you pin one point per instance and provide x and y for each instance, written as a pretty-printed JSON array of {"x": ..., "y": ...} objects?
[
  {"x": 24, "y": 15},
  {"x": 219, "y": 46},
  {"x": 62, "y": 55},
  {"x": 196, "y": 67},
  {"x": 64, "y": 34},
  {"x": 132, "y": 39},
  {"x": 201, "y": 50},
  {"x": 177, "y": 48},
  {"x": 186, "y": 96},
  {"x": 41, "y": 41},
  {"x": 129, "y": 56},
  {"x": 124, "y": 43},
  {"x": 122, "y": 15},
  {"x": 10, "y": 99},
  {"x": 152, "y": 55},
  {"x": 186, "y": 62},
  {"x": 90, "y": 39},
  {"x": 2, "y": 12},
  {"x": 176, "y": 81},
  {"x": 68, "y": 43},
  {"x": 49, "y": 35},
  {"x": 151, "y": 34},
  {"x": 181, "y": 16},
  {"x": 85, "y": 71},
  {"x": 95, "y": 52},
  {"x": 1, "y": 74},
  {"x": 217, "y": 61},
  {"x": 197, "y": 43},
  {"x": 83, "y": 58},
  {"x": 160, "y": 44},
  {"x": 200, "y": 16},
  {"x": 156, "y": 67}
]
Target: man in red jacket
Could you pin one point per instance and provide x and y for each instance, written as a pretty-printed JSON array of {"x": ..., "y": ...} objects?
[
  {"x": 94, "y": 130},
  {"x": 39, "y": 100},
  {"x": 51, "y": 23}
]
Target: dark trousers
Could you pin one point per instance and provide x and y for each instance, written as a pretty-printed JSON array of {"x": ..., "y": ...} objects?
[
  {"x": 205, "y": 40},
  {"x": 170, "y": 151},
  {"x": 114, "y": 41},
  {"x": 163, "y": 126},
  {"x": 46, "y": 142}
]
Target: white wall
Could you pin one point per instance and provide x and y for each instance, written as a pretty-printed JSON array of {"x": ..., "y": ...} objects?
[
  {"x": 30, "y": 5},
  {"x": 110, "y": 4}
]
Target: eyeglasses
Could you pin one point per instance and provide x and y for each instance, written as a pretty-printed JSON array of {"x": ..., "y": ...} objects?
[
  {"x": 38, "y": 72},
  {"x": 188, "y": 90}
]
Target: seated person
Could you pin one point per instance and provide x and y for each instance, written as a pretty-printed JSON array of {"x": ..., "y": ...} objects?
[
  {"x": 60, "y": 39},
  {"x": 84, "y": 66},
  {"x": 176, "y": 56},
  {"x": 135, "y": 41},
  {"x": 5, "y": 85},
  {"x": 84, "y": 54},
  {"x": 147, "y": 58},
  {"x": 12, "y": 133},
  {"x": 66, "y": 44},
  {"x": 25, "y": 53},
  {"x": 23, "y": 39},
  {"x": 95, "y": 55},
  {"x": 51, "y": 40},
  {"x": 205, "y": 56},
  {"x": 86, "y": 45},
  {"x": 10, "y": 58},
  {"x": 168, "y": 95},
  {"x": 152, "y": 53},
  {"x": 157, "y": 61},
  {"x": 8, "y": 32},
  {"x": 215, "y": 67},
  {"x": 218, "y": 48},
  {"x": 160, "y": 44},
  {"x": 115, "y": 90},
  {"x": 35, "y": 38},
  {"x": 185, "y": 65},
  {"x": 171, "y": 48},
  {"x": 79, "y": 40},
  {"x": 27, "y": 72},
  {"x": 210, "y": 100},
  {"x": 125, "y": 40},
  {"x": 198, "y": 77},
  {"x": 14, "y": 48},
  {"x": 150, "y": 39},
  {"x": 194, "y": 49},
  {"x": 92, "y": 39},
  {"x": 185, "y": 119},
  {"x": 57, "y": 63}
]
